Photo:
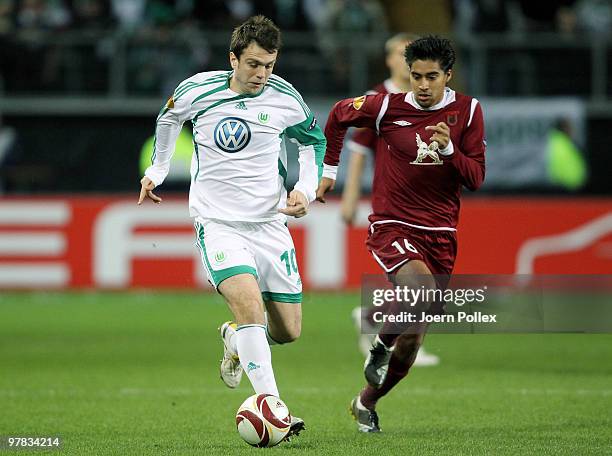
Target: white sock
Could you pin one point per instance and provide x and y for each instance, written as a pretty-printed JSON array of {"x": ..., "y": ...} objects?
[
  {"x": 256, "y": 358},
  {"x": 378, "y": 341},
  {"x": 360, "y": 406},
  {"x": 231, "y": 340}
]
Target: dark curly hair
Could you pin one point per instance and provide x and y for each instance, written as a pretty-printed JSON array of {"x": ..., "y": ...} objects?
[
  {"x": 431, "y": 48},
  {"x": 259, "y": 29}
]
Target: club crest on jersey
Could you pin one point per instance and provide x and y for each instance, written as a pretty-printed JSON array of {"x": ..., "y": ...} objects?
[
  {"x": 358, "y": 102},
  {"x": 220, "y": 257},
  {"x": 424, "y": 151},
  {"x": 263, "y": 117},
  {"x": 232, "y": 134},
  {"x": 451, "y": 118}
]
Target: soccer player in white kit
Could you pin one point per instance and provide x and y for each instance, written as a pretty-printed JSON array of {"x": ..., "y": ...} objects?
[{"x": 237, "y": 196}]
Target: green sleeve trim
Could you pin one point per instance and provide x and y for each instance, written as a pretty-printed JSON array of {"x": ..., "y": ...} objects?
[
  {"x": 293, "y": 298},
  {"x": 239, "y": 327},
  {"x": 197, "y": 153},
  {"x": 308, "y": 133},
  {"x": 282, "y": 171},
  {"x": 162, "y": 111}
]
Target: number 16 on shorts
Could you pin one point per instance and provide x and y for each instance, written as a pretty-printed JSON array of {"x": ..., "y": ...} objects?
[{"x": 408, "y": 246}]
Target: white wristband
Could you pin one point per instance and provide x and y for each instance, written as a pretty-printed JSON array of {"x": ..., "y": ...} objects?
[
  {"x": 330, "y": 171},
  {"x": 448, "y": 150}
]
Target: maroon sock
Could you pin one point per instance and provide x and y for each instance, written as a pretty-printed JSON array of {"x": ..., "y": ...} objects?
[{"x": 398, "y": 369}]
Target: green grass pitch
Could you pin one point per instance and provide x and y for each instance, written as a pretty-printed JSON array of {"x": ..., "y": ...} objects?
[{"x": 137, "y": 373}]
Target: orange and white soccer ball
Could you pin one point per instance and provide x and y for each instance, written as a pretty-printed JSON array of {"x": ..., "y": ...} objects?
[{"x": 263, "y": 420}]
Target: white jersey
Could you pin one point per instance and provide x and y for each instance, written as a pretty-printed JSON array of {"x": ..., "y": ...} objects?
[{"x": 239, "y": 164}]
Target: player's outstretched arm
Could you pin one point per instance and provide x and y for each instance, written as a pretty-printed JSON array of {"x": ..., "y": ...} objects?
[
  {"x": 146, "y": 190},
  {"x": 364, "y": 111},
  {"x": 297, "y": 205},
  {"x": 167, "y": 129}
]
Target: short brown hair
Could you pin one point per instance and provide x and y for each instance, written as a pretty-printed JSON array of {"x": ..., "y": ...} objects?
[{"x": 259, "y": 29}]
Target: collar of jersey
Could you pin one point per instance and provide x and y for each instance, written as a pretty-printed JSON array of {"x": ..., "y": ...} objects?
[
  {"x": 448, "y": 98},
  {"x": 244, "y": 95}
]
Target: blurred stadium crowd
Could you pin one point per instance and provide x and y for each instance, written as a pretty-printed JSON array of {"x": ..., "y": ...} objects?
[
  {"x": 71, "y": 46},
  {"x": 178, "y": 29}
]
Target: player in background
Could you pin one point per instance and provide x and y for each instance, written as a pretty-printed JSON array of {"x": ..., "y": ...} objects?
[
  {"x": 435, "y": 146},
  {"x": 237, "y": 196},
  {"x": 365, "y": 142}
]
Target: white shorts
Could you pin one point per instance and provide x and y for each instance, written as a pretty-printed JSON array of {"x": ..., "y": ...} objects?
[{"x": 263, "y": 249}]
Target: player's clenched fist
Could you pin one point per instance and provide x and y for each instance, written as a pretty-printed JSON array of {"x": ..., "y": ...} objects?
[
  {"x": 146, "y": 189},
  {"x": 441, "y": 134},
  {"x": 297, "y": 205},
  {"x": 325, "y": 186}
]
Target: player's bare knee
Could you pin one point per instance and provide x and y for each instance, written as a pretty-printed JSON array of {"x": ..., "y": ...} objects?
[
  {"x": 286, "y": 338},
  {"x": 295, "y": 332},
  {"x": 288, "y": 333}
]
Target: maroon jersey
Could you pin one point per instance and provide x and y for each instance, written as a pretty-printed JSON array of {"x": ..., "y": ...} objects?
[
  {"x": 414, "y": 182},
  {"x": 366, "y": 140}
]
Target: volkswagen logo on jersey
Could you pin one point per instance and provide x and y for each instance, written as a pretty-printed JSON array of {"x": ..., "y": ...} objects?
[{"x": 232, "y": 134}]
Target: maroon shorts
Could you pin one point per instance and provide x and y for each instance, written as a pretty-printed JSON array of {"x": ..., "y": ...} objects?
[{"x": 393, "y": 244}]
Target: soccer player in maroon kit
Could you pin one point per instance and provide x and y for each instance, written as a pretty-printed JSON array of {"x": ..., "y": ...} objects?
[
  {"x": 365, "y": 141},
  {"x": 435, "y": 145}
]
